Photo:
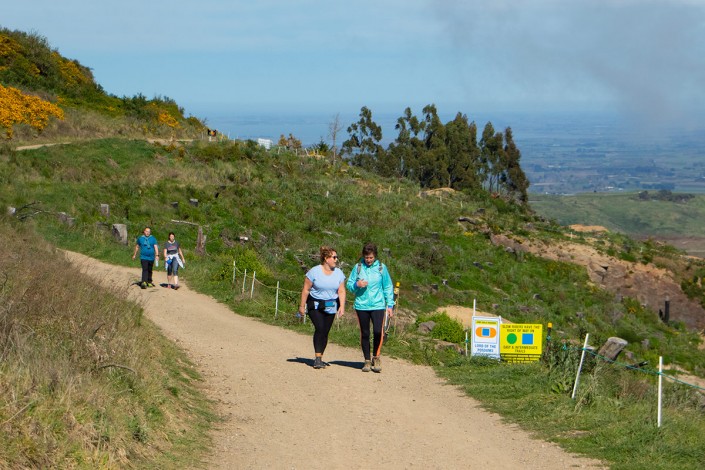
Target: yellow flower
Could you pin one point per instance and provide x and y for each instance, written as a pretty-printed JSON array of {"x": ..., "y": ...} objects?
[{"x": 19, "y": 108}]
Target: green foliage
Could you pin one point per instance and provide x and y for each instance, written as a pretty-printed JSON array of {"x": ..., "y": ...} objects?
[
  {"x": 440, "y": 155},
  {"x": 612, "y": 411},
  {"x": 28, "y": 62},
  {"x": 287, "y": 206},
  {"x": 85, "y": 381},
  {"x": 446, "y": 328}
]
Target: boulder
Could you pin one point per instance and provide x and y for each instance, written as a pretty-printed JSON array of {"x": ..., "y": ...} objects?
[
  {"x": 612, "y": 347},
  {"x": 120, "y": 233}
]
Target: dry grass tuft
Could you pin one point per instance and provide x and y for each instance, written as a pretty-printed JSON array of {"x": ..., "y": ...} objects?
[{"x": 85, "y": 381}]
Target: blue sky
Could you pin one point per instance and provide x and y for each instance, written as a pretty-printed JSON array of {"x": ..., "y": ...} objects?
[{"x": 642, "y": 58}]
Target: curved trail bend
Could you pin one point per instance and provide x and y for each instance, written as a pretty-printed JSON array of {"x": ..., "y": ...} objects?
[{"x": 280, "y": 413}]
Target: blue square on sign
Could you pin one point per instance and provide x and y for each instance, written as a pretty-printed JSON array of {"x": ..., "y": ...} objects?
[{"x": 527, "y": 338}]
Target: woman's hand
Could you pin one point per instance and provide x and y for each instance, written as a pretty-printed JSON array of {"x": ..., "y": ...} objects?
[
  {"x": 361, "y": 283},
  {"x": 341, "y": 311},
  {"x": 390, "y": 311}
]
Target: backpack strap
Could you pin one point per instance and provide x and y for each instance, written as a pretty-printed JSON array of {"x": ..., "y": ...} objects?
[{"x": 359, "y": 266}]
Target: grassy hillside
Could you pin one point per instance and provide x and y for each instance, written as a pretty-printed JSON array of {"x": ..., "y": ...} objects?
[
  {"x": 31, "y": 70},
  {"x": 269, "y": 211},
  {"x": 676, "y": 218},
  {"x": 85, "y": 380}
]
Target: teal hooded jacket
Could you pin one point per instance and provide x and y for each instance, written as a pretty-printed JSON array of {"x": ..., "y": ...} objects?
[{"x": 379, "y": 292}]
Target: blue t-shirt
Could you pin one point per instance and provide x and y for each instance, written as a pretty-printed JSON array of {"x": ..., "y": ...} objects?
[
  {"x": 146, "y": 245},
  {"x": 325, "y": 287}
]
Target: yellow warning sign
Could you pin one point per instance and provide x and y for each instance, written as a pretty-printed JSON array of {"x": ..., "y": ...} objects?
[{"x": 520, "y": 341}]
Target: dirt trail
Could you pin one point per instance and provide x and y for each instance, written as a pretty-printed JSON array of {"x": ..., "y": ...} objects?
[{"x": 282, "y": 414}]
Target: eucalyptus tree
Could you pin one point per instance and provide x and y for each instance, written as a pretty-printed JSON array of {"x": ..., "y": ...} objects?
[
  {"x": 363, "y": 145},
  {"x": 463, "y": 152},
  {"x": 407, "y": 147},
  {"x": 434, "y": 161},
  {"x": 515, "y": 180},
  {"x": 491, "y": 150}
]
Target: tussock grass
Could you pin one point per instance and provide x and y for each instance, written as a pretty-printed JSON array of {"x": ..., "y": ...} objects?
[{"x": 86, "y": 380}]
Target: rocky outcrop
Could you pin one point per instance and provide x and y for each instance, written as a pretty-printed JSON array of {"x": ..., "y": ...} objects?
[{"x": 650, "y": 285}]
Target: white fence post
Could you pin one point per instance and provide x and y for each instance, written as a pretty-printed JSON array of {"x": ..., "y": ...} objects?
[
  {"x": 243, "y": 281},
  {"x": 234, "y": 271},
  {"x": 276, "y": 302},
  {"x": 254, "y": 275},
  {"x": 660, "y": 382},
  {"x": 582, "y": 358}
]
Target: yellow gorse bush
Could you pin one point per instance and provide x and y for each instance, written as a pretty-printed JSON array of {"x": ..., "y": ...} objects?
[
  {"x": 168, "y": 119},
  {"x": 70, "y": 71},
  {"x": 19, "y": 108},
  {"x": 9, "y": 51},
  {"x": 8, "y": 47}
]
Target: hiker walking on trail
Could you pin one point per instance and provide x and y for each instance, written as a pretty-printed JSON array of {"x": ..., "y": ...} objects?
[
  {"x": 323, "y": 297},
  {"x": 149, "y": 252},
  {"x": 374, "y": 300},
  {"x": 173, "y": 259}
]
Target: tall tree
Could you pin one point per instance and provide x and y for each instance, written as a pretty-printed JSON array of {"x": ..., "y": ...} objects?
[
  {"x": 491, "y": 150},
  {"x": 408, "y": 147},
  {"x": 363, "y": 144},
  {"x": 516, "y": 181},
  {"x": 434, "y": 160},
  {"x": 461, "y": 139}
]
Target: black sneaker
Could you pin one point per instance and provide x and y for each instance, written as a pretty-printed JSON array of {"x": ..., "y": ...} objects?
[
  {"x": 318, "y": 363},
  {"x": 143, "y": 285},
  {"x": 149, "y": 284}
]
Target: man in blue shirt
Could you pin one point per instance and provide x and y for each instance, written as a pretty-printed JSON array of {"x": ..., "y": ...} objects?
[{"x": 149, "y": 252}]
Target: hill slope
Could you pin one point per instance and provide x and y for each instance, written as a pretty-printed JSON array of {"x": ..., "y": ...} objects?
[
  {"x": 662, "y": 215},
  {"x": 31, "y": 70},
  {"x": 266, "y": 212},
  {"x": 438, "y": 244}
]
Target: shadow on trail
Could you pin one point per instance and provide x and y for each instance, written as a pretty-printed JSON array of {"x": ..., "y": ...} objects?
[
  {"x": 309, "y": 362},
  {"x": 351, "y": 364},
  {"x": 302, "y": 360}
]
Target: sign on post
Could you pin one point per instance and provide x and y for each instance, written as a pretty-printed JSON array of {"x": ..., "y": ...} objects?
[
  {"x": 485, "y": 336},
  {"x": 521, "y": 342}
]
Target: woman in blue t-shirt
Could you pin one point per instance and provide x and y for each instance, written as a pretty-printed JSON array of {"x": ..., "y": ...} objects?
[{"x": 322, "y": 297}]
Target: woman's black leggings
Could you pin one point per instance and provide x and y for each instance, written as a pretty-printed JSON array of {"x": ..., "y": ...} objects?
[
  {"x": 364, "y": 317},
  {"x": 322, "y": 322}
]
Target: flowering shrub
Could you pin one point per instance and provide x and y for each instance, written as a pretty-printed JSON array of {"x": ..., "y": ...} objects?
[
  {"x": 71, "y": 72},
  {"x": 18, "y": 108},
  {"x": 8, "y": 47},
  {"x": 168, "y": 119}
]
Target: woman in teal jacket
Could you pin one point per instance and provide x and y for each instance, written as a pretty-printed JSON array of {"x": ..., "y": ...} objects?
[{"x": 374, "y": 298}]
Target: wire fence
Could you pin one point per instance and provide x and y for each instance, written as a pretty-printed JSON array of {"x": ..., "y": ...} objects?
[
  {"x": 249, "y": 284},
  {"x": 634, "y": 367},
  {"x": 281, "y": 297}
]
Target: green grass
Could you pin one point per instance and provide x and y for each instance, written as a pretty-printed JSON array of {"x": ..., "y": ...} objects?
[
  {"x": 287, "y": 206},
  {"x": 87, "y": 381},
  {"x": 612, "y": 418},
  {"x": 626, "y": 213}
]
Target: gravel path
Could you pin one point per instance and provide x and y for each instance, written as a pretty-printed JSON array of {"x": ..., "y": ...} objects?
[{"x": 280, "y": 413}]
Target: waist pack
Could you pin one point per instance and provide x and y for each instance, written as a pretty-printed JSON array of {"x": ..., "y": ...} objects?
[{"x": 313, "y": 303}]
